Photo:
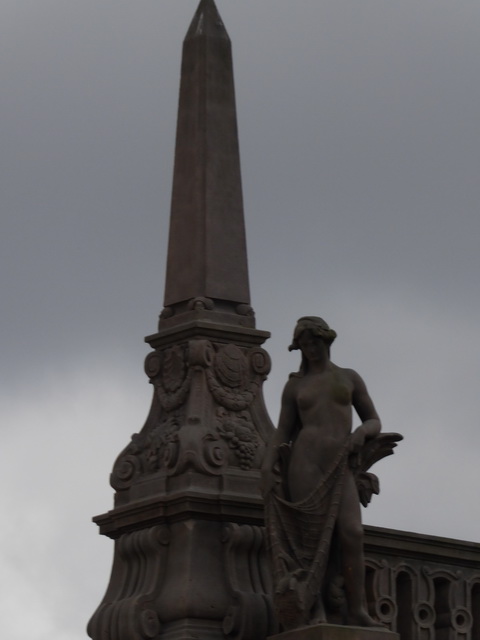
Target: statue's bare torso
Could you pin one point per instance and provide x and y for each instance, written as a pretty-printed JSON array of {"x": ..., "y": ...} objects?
[{"x": 323, "y": 404}]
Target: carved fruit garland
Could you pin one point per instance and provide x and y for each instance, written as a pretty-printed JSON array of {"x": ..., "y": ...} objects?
[
  {"x": 239, "y": 433},
  {"x": 229, "y": 385}
]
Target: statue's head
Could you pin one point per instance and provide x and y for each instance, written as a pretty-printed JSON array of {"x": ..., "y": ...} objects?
[{"x": 316, "y": 326}]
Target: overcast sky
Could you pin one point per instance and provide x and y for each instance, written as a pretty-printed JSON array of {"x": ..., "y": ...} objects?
[{"x": 360, "y": 145}]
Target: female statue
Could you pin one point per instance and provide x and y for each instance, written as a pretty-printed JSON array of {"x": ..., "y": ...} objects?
[{"x": 314, "y": 504}]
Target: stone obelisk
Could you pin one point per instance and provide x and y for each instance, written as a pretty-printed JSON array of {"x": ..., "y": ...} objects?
[{"x": 189, "y": 556}]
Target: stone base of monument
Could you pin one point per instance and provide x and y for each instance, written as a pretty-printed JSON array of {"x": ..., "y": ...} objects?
[{"x": 336, "y": 632}]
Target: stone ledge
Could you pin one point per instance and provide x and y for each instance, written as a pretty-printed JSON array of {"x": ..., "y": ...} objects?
[
  {"x": 336, "y": 632},
  {"x": 421, "y": 547},
  {"x": 180, "y": 506},
  {"x": 207, "y": 328}
]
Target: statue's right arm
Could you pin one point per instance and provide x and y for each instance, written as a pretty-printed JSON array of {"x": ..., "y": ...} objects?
[{"x": 284, "y": 433}]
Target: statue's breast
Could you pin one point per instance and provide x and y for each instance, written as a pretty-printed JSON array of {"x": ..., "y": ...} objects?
[
  {"x": 341, "y": 392},
  {"x": 308, "y": 396},
  {"x": 319, "y": 392}
]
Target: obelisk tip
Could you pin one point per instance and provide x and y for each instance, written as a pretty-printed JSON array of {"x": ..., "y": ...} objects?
[{"x": 206, "y": 22}]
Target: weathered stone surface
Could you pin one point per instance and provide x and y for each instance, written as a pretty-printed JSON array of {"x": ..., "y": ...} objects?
[
  {"x": 189, "y": 545},
  {"x": 189, "y": 559},
  {"x": 315, "y": 474},
  {"x": 207, "y": 259},
  {"x": 336, "y": 632},
  {"x": 423, "y": 587}
]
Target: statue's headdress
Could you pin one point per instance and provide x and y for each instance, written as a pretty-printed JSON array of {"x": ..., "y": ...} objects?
[{"x": 317, "y": 326}]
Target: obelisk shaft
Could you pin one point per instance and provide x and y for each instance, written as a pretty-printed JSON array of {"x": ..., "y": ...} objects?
[
  {"x": 188, "y": 512},
  {"x": 207, "y": 250}
]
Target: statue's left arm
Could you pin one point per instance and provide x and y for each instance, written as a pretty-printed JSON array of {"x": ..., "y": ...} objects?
[{"x": 366, "y": 411}]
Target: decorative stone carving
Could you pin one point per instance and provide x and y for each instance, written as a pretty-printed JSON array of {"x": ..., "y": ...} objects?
[
  {"x": 167, "y": 312},
  {"x": 315, "y": 472},
  {"x": 126, "y": 469},
  {"x": 128, "y": 611},
  {"x": 161, "y": 448},
  {"x": 170, "y": 376},
  {"x": 229, "y": 381},
  {"x": 193, "y": 468},
  {"x": 244, "y": 310},
  {"x": 239, "y": 433},
  {"x": 189, "y": 557},
  {"x": 260, "y": 362},
  {"x": 231, "y": 366},
  {"x": 203, "y": 413},
  {"x": 424, "y": 588},
  {"x": 200, "y": 303},
  {"x": 250, "y": 616}
]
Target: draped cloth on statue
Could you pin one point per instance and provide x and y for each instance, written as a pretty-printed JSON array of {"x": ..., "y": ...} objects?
[{"x": 299, "y": 536}]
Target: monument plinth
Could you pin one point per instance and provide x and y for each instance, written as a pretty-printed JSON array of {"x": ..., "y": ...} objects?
[{"x": 189, "y": 557}]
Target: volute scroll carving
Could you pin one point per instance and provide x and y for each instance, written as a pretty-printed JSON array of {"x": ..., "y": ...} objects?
[
  {"x": 200, "y": 353},
  {"x": 260, "y": 362},
  {"x": 207, "y": 434},
  {"x": 213, "y": 452},
  {"x": 250, "y": 615},
  {"x": 124, "y": 471},
  {"x": 131, "y": 614},
  {"x": 156, "y": 447},
  {"x": 153, "y": 364}
]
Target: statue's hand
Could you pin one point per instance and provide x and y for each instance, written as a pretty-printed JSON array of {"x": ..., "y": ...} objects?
[
  {"x": 357, "y": 440},
  {"x": 268, "y": 481}
]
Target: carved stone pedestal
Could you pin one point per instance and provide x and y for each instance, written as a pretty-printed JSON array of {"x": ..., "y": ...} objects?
[
  {"x": 336, "y": 632},
  {"x": 190, "y": 558}
]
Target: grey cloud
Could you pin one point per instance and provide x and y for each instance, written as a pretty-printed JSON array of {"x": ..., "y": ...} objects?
[{"x": 359, "y": 142}]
